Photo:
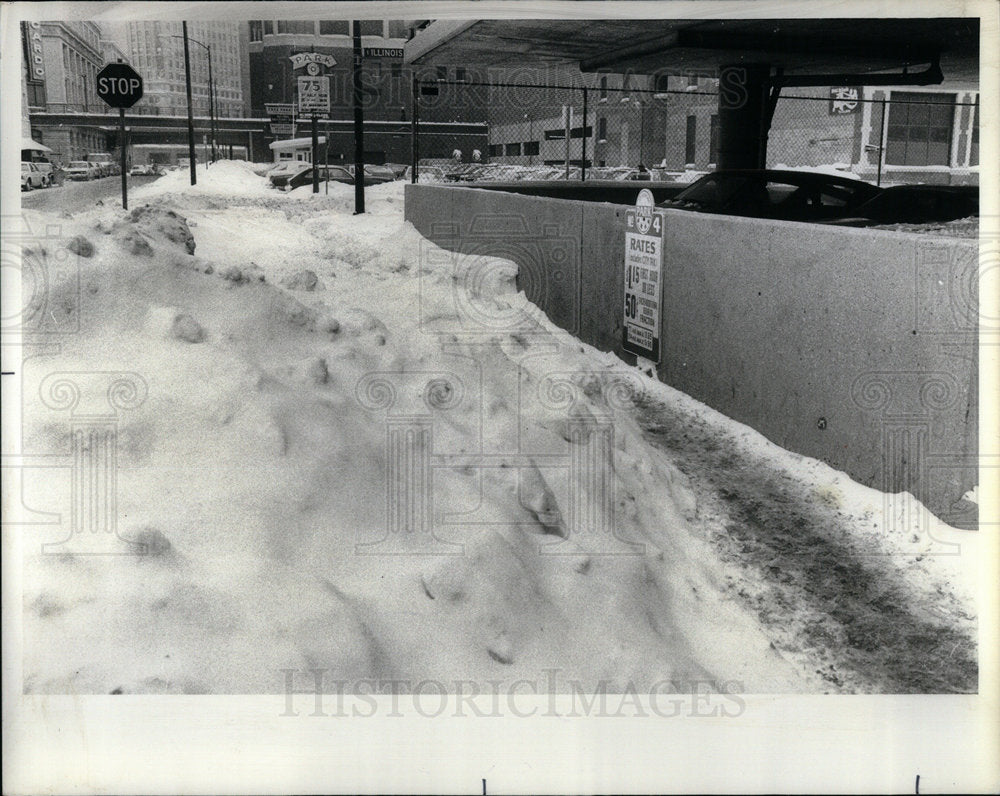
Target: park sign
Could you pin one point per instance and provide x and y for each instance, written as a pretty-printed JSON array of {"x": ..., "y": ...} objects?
[
  {"x": 643, "y": 283},
  {"x": 302, "y": 60},
  {"x": 119, "y": 85}
]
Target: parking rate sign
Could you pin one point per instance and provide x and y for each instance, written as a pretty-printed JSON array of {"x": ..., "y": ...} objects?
[
  {"x": 643, "y": 269},
  {"x": 314, "y": 95}
]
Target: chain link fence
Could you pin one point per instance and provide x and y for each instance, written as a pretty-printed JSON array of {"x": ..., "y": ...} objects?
[{"x": 596, "y": 132}]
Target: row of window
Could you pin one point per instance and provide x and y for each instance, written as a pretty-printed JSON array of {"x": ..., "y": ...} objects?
[
  {"x": 336, "y": 27},
  {"x": 516, "y": 148}
]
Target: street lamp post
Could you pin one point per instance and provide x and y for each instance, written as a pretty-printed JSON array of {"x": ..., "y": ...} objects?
[
  {"x": 187, "y": 84},
  {"x": 211, "y": 82}
]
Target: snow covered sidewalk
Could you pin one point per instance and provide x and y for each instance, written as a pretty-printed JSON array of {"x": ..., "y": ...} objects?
[{"x": 303, "y": 368}]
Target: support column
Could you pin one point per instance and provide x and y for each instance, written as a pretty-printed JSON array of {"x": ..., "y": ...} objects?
[{"x": 743, "y": 119}]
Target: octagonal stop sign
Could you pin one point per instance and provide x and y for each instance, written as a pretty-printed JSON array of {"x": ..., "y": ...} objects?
[{"x": 119, "y": 85}]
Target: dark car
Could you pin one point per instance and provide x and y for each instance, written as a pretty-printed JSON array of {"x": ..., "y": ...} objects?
[
  {"x": 772, "y": 193},
  {"x": 916, "y": 204}
]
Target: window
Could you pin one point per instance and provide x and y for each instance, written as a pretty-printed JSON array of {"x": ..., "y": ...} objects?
[
  {"x": 579, "y": 132},
  {"x": 530, "y": 147},
  {"x": 295, "y": 26},
  {"x": 396, "y": 69},
  {"x": 713, "y": 142},
  {"x": 513, "y": 149},
  {"x": 692, "y": 81},
  {"x": 36, "y": 95},
  {"x": 441, "y": 72},
  {"x": 559, "y": 134},
  {"x": 334, "y": 27},
  {"x": 460, "y": 74},
  {"x": 268, "y": 28},
  {"x": 496, "y": 150},
  {"x": 604, "y": 88},
  {"x": 602, "y": 129},
  {"x": 920, "y": 128},
  {"x": 371, "y": 27},
  {"x": 256, "y": 30},
  {"x": 689, "y": 140}
]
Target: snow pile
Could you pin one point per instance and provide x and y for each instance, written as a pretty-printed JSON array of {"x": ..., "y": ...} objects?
[{"x": 284, "y": 363}]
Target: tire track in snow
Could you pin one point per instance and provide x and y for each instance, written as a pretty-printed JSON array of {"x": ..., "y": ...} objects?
[{"x": 829, "y": 598}]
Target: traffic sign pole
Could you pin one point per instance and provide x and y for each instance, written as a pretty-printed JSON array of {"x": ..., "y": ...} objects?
[
  {"x": 315, "y": 155},
  {"x": 120, "y": 86},
  {"x": 121, "y": 144}
]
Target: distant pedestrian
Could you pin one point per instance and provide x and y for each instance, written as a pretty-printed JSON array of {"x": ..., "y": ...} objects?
[
  {"x": 457, "y": 155},
  {"x": 477, "y": 156}
]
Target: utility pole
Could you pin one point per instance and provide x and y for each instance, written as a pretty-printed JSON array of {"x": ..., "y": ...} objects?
[
  {"x": 359, "y": 127},
  {"x": 187, "y": 84}
]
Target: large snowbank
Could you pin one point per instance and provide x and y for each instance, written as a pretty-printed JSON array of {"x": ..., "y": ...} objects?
[{"x": 257, "y": 466}]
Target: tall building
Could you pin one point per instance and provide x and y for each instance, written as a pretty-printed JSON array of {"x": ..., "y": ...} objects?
[
  {"x": 62, "y": 60},
  {"x": 156, "y": 50}
]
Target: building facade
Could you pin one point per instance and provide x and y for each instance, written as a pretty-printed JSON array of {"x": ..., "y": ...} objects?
[
  {"x": 156, "y": 50},
  {"x": 62, "y": 61}
]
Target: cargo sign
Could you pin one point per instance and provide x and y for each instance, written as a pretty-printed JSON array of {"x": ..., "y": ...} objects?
[
  {"x": 282, "y": 128},
  {"x": 314, "y": 95},
  {"x": 643, "y": 268}
]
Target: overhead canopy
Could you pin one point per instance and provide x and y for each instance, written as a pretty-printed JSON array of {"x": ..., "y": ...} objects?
[
  {"x": 27, "y": 143},
  {"x": 674, "y": 45},
  {"x": 295, "y": 143}
]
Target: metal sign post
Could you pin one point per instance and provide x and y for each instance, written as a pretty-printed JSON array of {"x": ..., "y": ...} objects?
[
  {"x": 120, "y": 86},
  {"x": 315, "y": 154},
  {"x": 314, "y": 98},
  {"x": 121, "y": 145}
]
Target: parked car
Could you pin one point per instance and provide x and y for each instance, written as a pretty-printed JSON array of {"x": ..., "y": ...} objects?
[
  {"x": 105, "y": 163},
  {"x": 53, "y": 174},
  {"x": 771, "y": 193},
  {"x": 305, "y": 176},
  {"x": 915, "y": 204},
  {"x": 279, "y": 175},
  {"x": 32, "y": 177},
  {"x": 82, "y": 170},
  {"x": 376, "y": 175},
  {"x": 425, "y": 174},
  {"x": 398, "y": 169}
]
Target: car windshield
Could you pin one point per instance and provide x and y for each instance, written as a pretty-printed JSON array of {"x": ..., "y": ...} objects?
[{"x": 713, "y": 190}]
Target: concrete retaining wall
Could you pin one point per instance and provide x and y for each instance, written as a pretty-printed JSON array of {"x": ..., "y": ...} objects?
[{"x": 857, "y": 347}]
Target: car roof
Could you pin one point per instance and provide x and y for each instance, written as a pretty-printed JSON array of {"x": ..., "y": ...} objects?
[{"x": 791, "y": 175}]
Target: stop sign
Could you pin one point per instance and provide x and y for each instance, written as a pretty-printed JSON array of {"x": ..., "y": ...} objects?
[{"x": 119, "y": 85}]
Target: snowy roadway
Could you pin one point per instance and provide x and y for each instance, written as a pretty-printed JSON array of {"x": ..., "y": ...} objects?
[{"x": 297, "y": 363}]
